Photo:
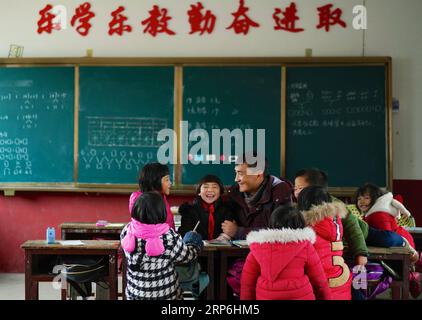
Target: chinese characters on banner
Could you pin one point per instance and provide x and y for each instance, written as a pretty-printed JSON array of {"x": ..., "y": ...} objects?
[{"x": 200, "y": 19}]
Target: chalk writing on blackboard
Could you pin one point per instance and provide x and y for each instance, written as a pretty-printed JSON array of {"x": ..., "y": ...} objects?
[
  {"x": 114, "y": 159},
  {"x": 14, "y": 156},
  {"x": 124, "y": 131}
]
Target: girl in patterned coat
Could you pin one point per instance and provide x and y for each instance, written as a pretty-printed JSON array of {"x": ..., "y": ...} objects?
[{"x": 152, "y": 249}]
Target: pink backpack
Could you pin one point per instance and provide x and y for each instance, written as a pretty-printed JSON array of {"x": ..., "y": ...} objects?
[{"x": 234, "y": 275}]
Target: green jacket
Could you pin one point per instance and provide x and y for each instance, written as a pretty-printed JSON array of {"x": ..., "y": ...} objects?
[{"x": 355, "y": 232}]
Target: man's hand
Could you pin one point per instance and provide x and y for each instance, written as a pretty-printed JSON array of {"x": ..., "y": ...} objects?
[{"x": 229, "y": 228}]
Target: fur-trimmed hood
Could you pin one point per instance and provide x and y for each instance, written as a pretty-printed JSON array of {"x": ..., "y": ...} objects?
[
  {"x": 274, "y": 249},
  {"x": 318, "y": 213},
  {"x": 388, "y": 204},
  {"x": 284, "y": 235}
]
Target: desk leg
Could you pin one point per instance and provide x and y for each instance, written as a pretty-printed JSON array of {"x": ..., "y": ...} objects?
[
  {"x": 211, "y": 274},
  {"x": 112, "y": 269},
  {"x": 223, "y": 273},
  {"x": 406, "y": 268},
  {"x": 31, "y": 287},
  {"x": 124, "y": 276}
]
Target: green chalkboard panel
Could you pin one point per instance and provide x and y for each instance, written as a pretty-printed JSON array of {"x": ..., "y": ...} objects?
[
  {"x": 231, "y": 98},
  {"x": 336, "y": 121},
  {"x": 121, "y": 111},
  {"x": 36, "y": 124}
]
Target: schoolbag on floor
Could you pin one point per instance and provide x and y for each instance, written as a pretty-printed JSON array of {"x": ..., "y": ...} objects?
[
  {"x": 375, "y": 277},
  {"x": 80, "y": 271}
]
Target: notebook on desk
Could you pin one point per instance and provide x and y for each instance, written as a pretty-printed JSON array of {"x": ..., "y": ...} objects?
[
  {"x": 240, "y": 243},
  {"x": 216, "y": 242}
]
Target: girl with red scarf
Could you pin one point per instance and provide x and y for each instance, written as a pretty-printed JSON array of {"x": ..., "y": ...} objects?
[{"x": 208, "y": 208}]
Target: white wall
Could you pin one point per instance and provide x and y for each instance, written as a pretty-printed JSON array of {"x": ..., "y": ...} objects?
[
  {"x": 260, "y": 42},
  {"x": 394, "y": 29}
]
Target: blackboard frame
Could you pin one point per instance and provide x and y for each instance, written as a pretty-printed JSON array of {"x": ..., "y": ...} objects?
[{"x": 178, "y": 64}]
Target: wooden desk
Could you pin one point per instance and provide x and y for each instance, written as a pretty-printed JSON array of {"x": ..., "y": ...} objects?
[
  {"x": 39, "y": 260},
  {"x": 416, "y": 233},
  {"x": 395, "y": 253},
  {"x": 88, "y": 231},
  {"x": 375, "y": 253},
  {"x": 83, "y": 230}
]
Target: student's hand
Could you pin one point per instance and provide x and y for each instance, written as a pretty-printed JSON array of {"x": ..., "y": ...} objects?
[
  {"x": 193, "y": 238},
  {"x": 229, "y": 228},
  {"x": 361, "y": 260},
  {"x": 223, "y": 237}
]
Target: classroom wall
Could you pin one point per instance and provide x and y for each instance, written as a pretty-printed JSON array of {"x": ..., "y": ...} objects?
[
  {"x": 28, "y": 214},
  {"x": 394, "y": 29}
]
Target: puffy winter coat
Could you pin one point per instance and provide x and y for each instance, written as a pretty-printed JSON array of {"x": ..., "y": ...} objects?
[
  {"x": 192, "y": 213},
  {"x": 283, "y": 265},
  {"x": 384, "y": 213},
  {"x": 325, "y": 219}
]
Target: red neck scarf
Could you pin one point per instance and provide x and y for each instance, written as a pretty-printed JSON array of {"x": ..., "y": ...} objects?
[{"x": 210, "y": 209}]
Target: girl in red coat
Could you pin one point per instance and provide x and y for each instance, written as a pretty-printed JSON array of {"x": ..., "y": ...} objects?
[
  {"x": 325, "y": 217},
  {"x": 282, "y": 263},
  {"x": 381, "y": 211}
]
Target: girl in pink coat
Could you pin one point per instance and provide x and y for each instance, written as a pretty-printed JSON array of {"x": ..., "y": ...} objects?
[
  {"x": 282, "y": 263},
  {"x": 154, "y": 177}
]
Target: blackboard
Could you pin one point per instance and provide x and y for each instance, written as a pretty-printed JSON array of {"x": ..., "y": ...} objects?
[
  {"x": 36, "y": 124},
  {"x": 231, "y": 98},
  {"x": 121, "y": 110},
  {"x": 91, "y": 124},
  {"x": 336, "y": 121}
]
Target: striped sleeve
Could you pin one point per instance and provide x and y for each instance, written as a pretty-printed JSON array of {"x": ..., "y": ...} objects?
[{"x": 183, "y": 253}]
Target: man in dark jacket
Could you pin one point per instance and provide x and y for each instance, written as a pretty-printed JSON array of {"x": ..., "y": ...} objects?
[{"x": 255, "y": 195}]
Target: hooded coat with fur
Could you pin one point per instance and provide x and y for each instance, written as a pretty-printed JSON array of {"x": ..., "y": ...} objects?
[
  {"x": 325, "y": 219},
  {"x": 384, "y": 213},
  {"x": 283, "y": 265}
]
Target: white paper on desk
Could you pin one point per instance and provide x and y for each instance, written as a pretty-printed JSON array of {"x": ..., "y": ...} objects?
[{"x": 71, "y": 242}]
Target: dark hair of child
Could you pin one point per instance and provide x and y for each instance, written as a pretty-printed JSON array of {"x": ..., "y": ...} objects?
[
  {"x": 314, "y": 177},
  {"x": 372, "y": 190},
  {"x": 151, "y": 175},
  {"x": 287, "y": 217},
  {"x": 207, "y": 179},
  {"x": 149, "y": 208},
  {"x": 312, "y": 196}
]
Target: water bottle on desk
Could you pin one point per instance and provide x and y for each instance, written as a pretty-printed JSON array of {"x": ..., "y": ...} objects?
[{"x": 51, "y": 236}]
